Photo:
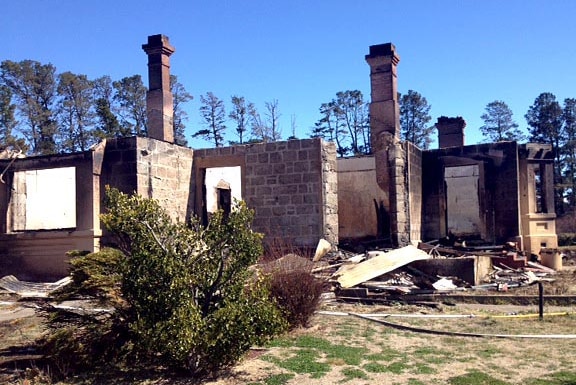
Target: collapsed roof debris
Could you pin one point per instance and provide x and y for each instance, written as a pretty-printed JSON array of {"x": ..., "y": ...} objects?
[
  {"x": 31, "y": 289},
  {"x": 430, "y": 268}
]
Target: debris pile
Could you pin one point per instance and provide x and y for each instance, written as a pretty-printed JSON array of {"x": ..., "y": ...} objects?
[
  {"x": 11, "y": 284},
  {"x": 430, "y": 268}
]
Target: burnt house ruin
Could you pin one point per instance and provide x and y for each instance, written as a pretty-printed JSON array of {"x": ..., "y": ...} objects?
[{"x": 299, "y": 190}]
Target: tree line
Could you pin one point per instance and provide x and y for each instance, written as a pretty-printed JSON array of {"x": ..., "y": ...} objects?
[
  {"x": 249, "y": 126},
  {"x": 345, "y": 120},
  {"x": 45, "y": 112}
]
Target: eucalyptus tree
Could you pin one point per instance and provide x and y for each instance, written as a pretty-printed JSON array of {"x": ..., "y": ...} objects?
[
  {"x": 272, "y": 125},
  {"x": 213, "y": 115},
  {"x": 257, "y": 125},
  {"x": 179, "y": 97},
  {"x": 328, "y": 127},
  {"x": 76, "y": 112},
  {"x": 352, "y": 117},
  {"x": 33, "y": 86},
  {"x": 130, "y": 96},
  {"x": 240, "y": 114},
  {"x": 267, "y": 129}
]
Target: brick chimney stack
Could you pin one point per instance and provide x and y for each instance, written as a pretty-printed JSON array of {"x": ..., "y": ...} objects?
[
  {"x": 159, "y": 102},
  {"x": 450, "y": 131},
  {"x": 387, "y": 148},
  {"x": 384, "y": 110}
]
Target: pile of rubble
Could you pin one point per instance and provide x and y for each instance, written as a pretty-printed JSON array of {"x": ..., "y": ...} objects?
[{"x": 430, "y": 268}]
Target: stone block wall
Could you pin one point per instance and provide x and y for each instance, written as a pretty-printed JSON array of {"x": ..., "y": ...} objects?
[
  {"x": 450, "y": 131},
  {"x": 498, "y": 188},
  {"x": 164, "y": 172},
  {"x": 538, "y": 218},
  {"x": 41, "y": 254},
  {"x": 414, "y": 177},
  {"x": 399, "y": 193},
  {"x": 119, "y": 165},
  {"x": 330, "y": 192},
  {"x": 502, "y": 187},
  {"x": 292, "y": 186},
  {"x": 152, "y": 169}
]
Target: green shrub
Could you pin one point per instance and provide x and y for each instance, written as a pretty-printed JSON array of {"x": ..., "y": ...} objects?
[{"x": 183, "y": 295}]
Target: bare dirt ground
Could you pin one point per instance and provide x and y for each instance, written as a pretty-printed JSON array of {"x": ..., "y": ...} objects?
[{"x": 389, "y": 355}]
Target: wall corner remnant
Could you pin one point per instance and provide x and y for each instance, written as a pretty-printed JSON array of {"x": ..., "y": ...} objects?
[{"x": 159, "y": 101}]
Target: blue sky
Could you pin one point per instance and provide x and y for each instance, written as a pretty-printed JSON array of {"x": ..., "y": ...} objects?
[{"x": 460, "y": 55}]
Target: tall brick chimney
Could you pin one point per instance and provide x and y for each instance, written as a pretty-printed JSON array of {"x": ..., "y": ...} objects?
[
  {"x": 450, "y": 131},
  {"x": 384, "y": 110},
  {"x": 159, "y": 102},
  {"x": 388, "y": 151}
]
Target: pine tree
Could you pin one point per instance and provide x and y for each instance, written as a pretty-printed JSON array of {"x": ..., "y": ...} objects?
[
  {"x": 569, "y": 150},
  {"x": 544, "y": 119},
  {"x": 414, "y": 119},
  {"x": 499, "y": 125}
]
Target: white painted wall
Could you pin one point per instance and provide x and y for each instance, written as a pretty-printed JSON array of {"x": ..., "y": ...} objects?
[
  {"x": 229, "y": 175},
  {"x": 50, "y": 199}
]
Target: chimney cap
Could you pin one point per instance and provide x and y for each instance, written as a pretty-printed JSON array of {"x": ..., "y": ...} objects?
[
  {"x": 158, "y": 44},
  {"x": 451, "y": 123},
  {"x": 387, "y": 49}
]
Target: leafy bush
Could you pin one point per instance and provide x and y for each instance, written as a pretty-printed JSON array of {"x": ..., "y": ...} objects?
[{"x": 182, "y": 294}]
